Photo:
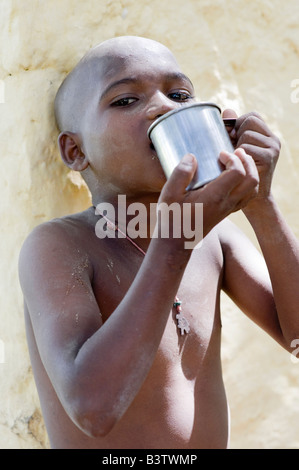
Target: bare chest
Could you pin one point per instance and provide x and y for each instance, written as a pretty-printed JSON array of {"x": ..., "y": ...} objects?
[{"x": 199, "y": 294}]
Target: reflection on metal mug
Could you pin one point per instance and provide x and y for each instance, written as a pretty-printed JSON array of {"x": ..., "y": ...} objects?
[{"x": 198, "y": 129}]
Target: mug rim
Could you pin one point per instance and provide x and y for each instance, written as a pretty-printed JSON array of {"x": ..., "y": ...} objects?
[{"x": 177, "y": 110}]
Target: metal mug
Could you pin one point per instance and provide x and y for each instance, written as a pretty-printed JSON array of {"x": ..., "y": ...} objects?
[{"x": 198, "y": 129}]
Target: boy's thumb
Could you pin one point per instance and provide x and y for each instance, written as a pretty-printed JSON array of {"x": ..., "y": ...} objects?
[
  {"x": 182, "y": 174},
  {"x": 188, "y": 159}
]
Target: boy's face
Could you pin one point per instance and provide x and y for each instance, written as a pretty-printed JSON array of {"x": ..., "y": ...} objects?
[{"x": 136, "y": 81}]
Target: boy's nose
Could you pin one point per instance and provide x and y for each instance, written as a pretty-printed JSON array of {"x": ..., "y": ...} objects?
[{"x": 159, "y": 105}]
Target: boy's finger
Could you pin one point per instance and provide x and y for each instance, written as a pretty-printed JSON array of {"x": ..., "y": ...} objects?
[
  {"x": 232, "y": 163},
  {"x": 180, "y": 178},
  {"x": 248, "y": 162},
  {"x": 235, "y": 176}
]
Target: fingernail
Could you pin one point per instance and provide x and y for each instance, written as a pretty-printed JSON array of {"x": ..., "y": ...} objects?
[
  {"x": 224, "y": 156},
  {"x": 233, "y": 133},
  {"x": 188, "y": 159},
  {"x": 226, "y": 152}
]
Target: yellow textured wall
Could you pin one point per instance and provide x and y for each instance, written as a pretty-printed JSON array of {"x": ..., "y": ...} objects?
[{"x": 240, "y": 54}]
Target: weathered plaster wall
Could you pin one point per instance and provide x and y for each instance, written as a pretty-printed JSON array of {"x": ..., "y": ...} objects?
[{"x": 240, "y": 54}]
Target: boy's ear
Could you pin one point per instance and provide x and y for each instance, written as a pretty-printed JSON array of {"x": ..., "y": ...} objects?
[{"x": 71, "y": 153}]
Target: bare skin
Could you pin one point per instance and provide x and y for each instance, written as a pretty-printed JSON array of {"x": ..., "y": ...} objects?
[{"x": 111, "y": 367}]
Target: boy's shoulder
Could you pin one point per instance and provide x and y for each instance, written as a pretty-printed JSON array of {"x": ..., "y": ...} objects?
[
  {"x": 56, "y": 249},
  {"x": 74, "y": 224},
  {"x": 66, "y": 235}
]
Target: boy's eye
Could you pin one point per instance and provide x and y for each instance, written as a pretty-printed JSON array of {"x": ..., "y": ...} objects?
[
  {"x": 180, "y": 96},
  {"x": 124, "y": 101}
]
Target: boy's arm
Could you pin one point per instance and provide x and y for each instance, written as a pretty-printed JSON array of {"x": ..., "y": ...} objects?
[
  {"x": 95, "y": 368},
  {"x": 98, "y": 368},
  {"x": 273, "y": 302},
  {"x": 281, "y": 252}
]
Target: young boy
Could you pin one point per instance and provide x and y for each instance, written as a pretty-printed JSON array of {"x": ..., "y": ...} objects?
[{"x": 113, "y": 366}]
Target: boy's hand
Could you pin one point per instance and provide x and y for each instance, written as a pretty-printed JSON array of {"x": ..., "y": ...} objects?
[
  {"x": 231, "y": 191},
  {"x": 253, "y": 135}
]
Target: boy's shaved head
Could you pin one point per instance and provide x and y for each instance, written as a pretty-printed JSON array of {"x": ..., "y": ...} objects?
[
  {"x": 103, "y": 136},
  {"x": 101, "y": 61}
]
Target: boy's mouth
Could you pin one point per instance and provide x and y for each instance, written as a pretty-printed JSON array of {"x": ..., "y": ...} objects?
[{"x": 153, "y": 151}]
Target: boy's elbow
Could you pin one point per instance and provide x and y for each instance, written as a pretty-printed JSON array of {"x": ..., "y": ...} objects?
[
  {"x": 94, "y": 423},
  {"x": 96, "y": 426}
]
